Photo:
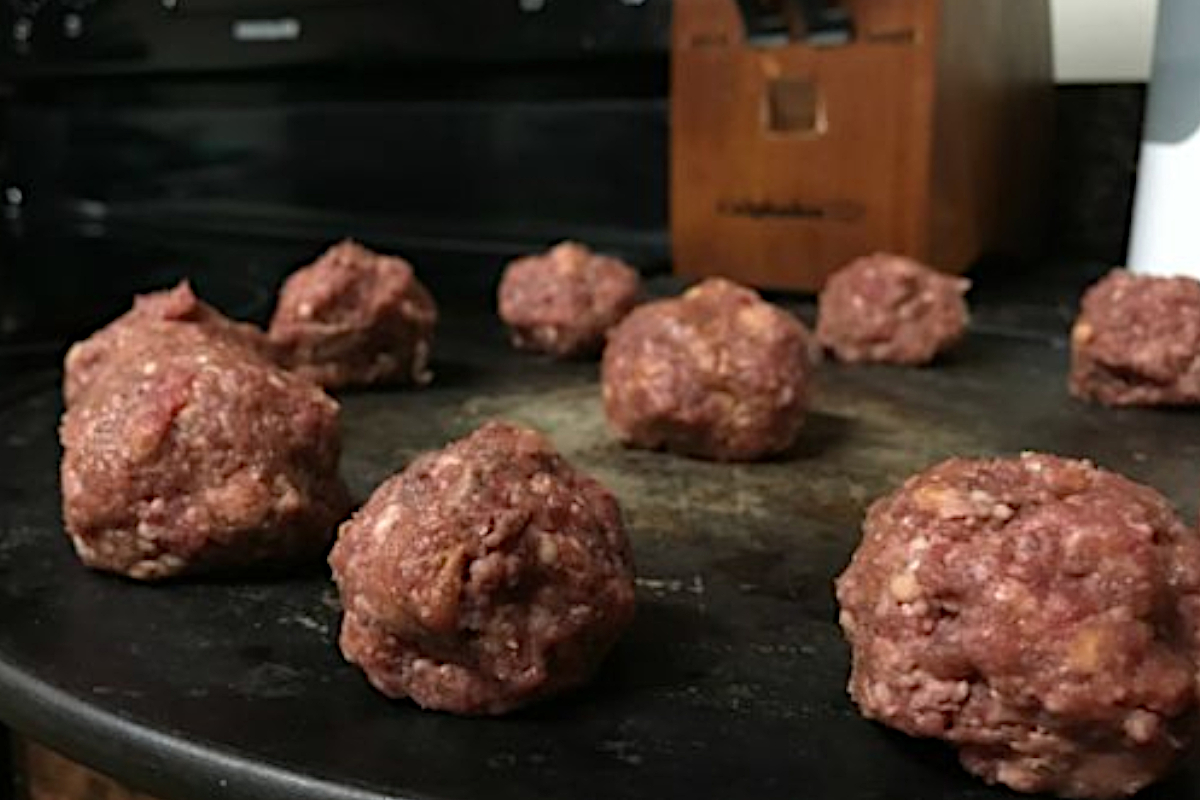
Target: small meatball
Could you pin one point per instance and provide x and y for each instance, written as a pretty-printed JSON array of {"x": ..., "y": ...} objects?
[
  {"x": 193, "y": 455},
  {"x": 87, "y": 359},
  {"x": 1137, "y": 341},
  {"x": 1037, "y": 613},
  {"x": 891, "y": 309},
  {"x": 564, "y": 301},
  {"x": 485, "y": 576},
  {"x": 717, "y": 373},
  {"x": 355, "y": 318}
]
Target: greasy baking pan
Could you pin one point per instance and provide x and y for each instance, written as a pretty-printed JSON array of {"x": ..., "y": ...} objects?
[{"x": 730, "y": 683}]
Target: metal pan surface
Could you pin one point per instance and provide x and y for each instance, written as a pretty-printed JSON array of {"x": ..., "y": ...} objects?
[{"x": 729, "y": 684}]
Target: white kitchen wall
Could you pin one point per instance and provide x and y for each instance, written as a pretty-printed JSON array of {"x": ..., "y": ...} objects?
[{"x": 1103, "y": 41}]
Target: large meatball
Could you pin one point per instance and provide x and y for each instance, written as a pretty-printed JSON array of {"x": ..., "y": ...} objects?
[
  {"x": 87, "y": 359},
  {"x": 563, "y": 302},
  {"x": 191, "y": 454},
  {"x": 1038, "y": 613},
  {"x": 355, "y": 317},
  {"x": 887, "y": 308},
  {"x": 1137, "y": 341},
  {"x": 485, "y": 576},
  {"x": 717, "y": 373}
]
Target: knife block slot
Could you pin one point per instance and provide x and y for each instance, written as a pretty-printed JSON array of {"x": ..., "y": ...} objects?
[
  {"x": 932, "y": 125},
  {"x": 793, "y": 107}
]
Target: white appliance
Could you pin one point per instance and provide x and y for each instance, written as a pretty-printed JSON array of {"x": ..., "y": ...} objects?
[{"x": 1166, "y": 216}]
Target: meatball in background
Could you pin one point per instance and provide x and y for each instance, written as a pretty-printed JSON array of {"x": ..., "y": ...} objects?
[
  {"x": 1038, "y": 613},
  {"x": 87, "y": 359},
  {"x": 1137, "y": 341},
  {"x": 485, "y": 576},
  {"x": 191, "y": 454},
  {"x": 564, "y": 301},
  {"x": 355, "y": 318},
  {"x": 717, "y": 373},
  {"x": 891, "y": 309}
]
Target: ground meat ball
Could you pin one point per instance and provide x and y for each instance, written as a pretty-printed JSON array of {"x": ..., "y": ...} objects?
[
  {"x": 717, "y": 373},
  {"x": 87, "y": 359},
  {"x": 1137, "y": 341},
  {"x": 1038, "y": 613},
  {"x": 192, "y": 455},
  {"x": 355, "y": 317},
  {"x": 563, "y": 302},
  {"x": 885, "y": 308},
  {"x": 485, "y": 576}
]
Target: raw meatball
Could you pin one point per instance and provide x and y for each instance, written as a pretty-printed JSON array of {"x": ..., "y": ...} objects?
[
  {"x": 885, "y": 308},
  {"x": 1137, "y": 341},
  {"x": 563, "y": 302},
  {"x": 1038, "y": 613},
  {"x": 192, "y": 454},
  {"x": 355, "y": 317},
  {"x": 717, "y": 373},
  {"x": 87, "y": 359},
  {"x": 485, "y": 576}
]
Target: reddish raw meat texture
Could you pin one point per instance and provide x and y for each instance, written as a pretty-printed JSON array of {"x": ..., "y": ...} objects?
[
  {"x": 192, "y": 454},
  {"x": 1038, "y": 613},
  {"x": 485, "y": 576},
  {"x": 563, "y": 302},
  {"x": 1137, "y": 341},
  {"x": 890, "y": 309},
  {"x": 717, "y": 373},
  {"x": 355, "y": 318},
  {"x": 197, "y": 322}
]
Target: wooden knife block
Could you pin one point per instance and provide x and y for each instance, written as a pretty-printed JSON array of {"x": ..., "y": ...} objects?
[{"x": 927, "y": 135}]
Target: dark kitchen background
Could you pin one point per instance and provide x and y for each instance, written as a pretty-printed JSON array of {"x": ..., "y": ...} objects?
[
  {"x": 143, "y": 141},
  {"x": 140, "y": 141},
  {"x": 190, "y": 137}
]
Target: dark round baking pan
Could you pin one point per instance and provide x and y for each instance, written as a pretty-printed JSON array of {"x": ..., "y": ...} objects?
[{"x": 729, "y": 684}]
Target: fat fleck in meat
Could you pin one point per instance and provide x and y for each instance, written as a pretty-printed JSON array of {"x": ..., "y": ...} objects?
[
  {"x": 192, "y": 454},
  {"x": 1038, "y": 613},
  {"x": 887, "y": 308},
  {"x": 355, "y": 318},
  {"x": 717, "y": 373},
  {"x": 485, "y": 576},
  {"x": 563, "y": 302},
  {"x": 1137, "y": 341}
]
